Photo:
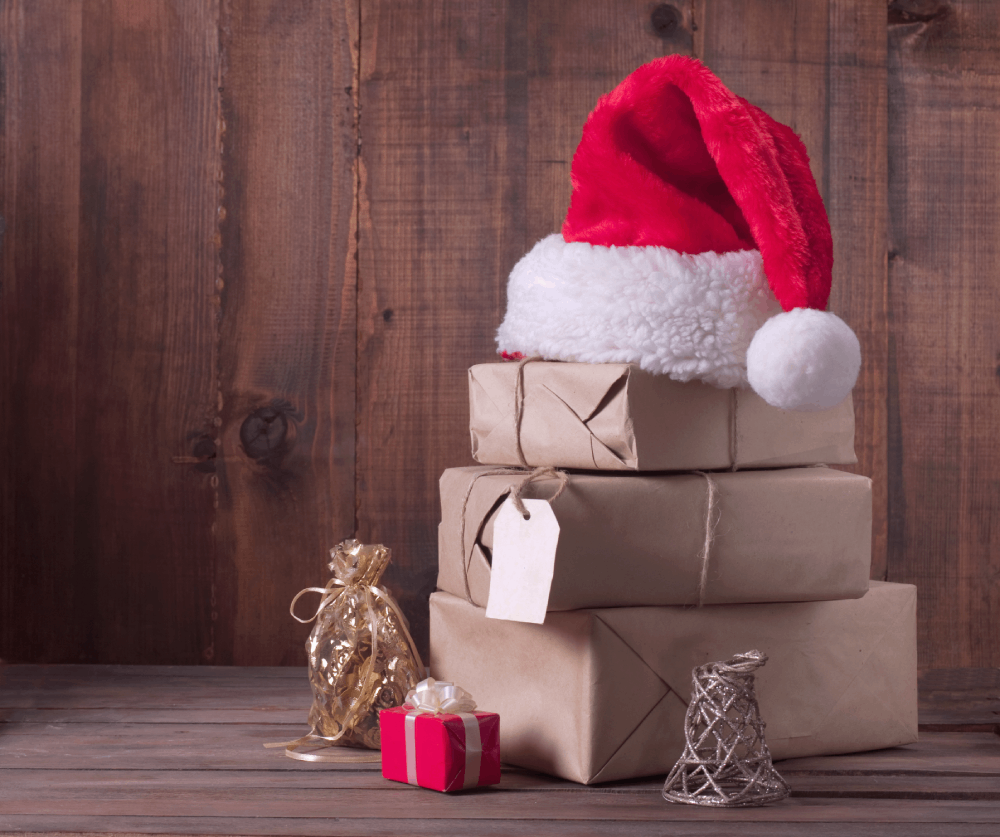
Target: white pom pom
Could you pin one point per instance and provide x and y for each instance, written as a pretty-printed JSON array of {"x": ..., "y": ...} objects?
[{"x": 803, "y": 359}]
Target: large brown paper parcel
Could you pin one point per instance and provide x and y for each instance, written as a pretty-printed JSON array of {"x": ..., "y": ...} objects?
[
  {"x": 598, "y": 695},
  {"x": 615, "y": 417},
  {"x": 797, "y": 534}
]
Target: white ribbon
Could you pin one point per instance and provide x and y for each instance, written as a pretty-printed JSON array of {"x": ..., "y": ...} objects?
[
  {"x": 438, "y": 696},
  {"x": 433, "y": 697}
]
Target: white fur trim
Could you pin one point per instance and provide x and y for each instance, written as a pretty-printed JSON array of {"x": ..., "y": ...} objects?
[
  {"x": 686, "y": 316},
  {"x": 804, "y": 359}
]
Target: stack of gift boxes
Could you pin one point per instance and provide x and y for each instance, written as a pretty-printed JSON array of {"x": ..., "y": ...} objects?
[
  {"x": 686, "y": 524},
  {"x": 624, "y": 526}
]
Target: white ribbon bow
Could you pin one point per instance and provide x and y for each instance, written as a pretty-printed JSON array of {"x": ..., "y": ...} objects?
[
  {"x": 432, "y": 697},
  {"x": 438, "y": 696}
]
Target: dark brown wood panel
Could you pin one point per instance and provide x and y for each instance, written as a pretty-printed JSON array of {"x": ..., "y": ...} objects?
[
  {"x": 855, "y": 194},
  {"x": 235, "y": 317},
  {"x": 820, "y": 68},
  {"x": 114, "y": 326},
  {"x": 145, "y": 348},
  {"x": 944, "y": 357},
  {"x": 39, "y": 298},
  {"x": 470, "y": 117},
  {"x": 436, "y": 113},
  {"x": 285, "y": 473}
]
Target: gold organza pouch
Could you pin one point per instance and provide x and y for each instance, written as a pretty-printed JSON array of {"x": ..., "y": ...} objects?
[{"x": 361, "y": 656}]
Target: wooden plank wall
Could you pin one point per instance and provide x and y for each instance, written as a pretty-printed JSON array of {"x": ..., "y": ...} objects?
[
  {"x": 249, "y": 250},
  {"x": 944, "y": 301}
]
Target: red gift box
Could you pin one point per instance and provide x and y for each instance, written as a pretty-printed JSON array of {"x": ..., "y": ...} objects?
[{"x": 443, "y": 751}]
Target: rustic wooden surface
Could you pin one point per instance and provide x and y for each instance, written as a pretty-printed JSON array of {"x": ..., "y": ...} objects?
[
  {"x": 944, "y": 360},
  {"x": 150, "y": 750},
  {"x": 107, "y": 310},
  {"x": 249, "y": 249},
  {"x": 284, "y": 475}
]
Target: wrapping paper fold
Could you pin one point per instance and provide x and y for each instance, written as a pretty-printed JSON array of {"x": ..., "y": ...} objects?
[
  {"x": 615, "y": 417},
  {"x": 434, "y": 754},
  {"x": 598, "y": 695},
  {"x": 801, "y": 534}
]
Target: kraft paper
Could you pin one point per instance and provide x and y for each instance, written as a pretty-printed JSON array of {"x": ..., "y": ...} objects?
[
  {"x": 599, "y": 695},
  {"x": 798, "y": 534},
  {"x": 615, "y": 417}
]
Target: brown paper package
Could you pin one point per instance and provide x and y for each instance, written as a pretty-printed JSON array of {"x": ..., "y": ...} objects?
[
  {"x": 798, "y": 534},
  {"x": 615, "y": 417},
  {"x": 599, "y": 695}
]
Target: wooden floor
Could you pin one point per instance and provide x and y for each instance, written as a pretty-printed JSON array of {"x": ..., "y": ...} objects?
[{"x": 102, "y": 749}]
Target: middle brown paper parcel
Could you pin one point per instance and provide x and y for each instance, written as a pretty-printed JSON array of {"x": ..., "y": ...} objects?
[{"x": 797, "y": 534}]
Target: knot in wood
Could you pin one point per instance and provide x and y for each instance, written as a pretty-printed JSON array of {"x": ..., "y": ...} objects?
[
  {"x": 264, "y": 433},
  {"x": 666, "y": 20}
]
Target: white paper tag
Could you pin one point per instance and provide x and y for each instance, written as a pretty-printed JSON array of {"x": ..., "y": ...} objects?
[{"x": 524, "y": 556}]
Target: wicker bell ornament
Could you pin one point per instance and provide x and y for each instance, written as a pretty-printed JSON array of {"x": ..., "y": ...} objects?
[{"x": 725, "y": 763}]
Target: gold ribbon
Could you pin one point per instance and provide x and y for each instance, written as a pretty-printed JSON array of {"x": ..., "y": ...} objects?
[
  {"x": 515, "y": 496},
  {"x": 334, "y": 588}
]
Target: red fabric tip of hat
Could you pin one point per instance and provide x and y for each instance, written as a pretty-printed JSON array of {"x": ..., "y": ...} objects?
[{"x": 672, "y": 158}]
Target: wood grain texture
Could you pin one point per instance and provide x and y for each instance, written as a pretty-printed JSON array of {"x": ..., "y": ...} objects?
[
  {"x": 437, "y": 114},
  {"x": 820, "y": 68},
  {"x": 944, "y": 355},
  {"x": 39, "y": 299},
  {"x": 470, "y": 116},
  {"x": 287, "y": 309},
  {"x": 855, "y": 174},
  {"x": 111, "y": 251},
  {"x": 326, "y": 827},
  {"x": 145, "y": 346},
  {"x": 249, "y": 249},
  {"x": 191, "y": 772},
  {"x": 153, "y": 349}
]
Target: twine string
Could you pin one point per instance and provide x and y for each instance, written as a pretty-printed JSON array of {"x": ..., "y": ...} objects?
[
  {"x": 515, "y": 497},
  {"x": 519, "y": 407},
  {"x": 734, "y": 428},
  {"x": 704, "y": 555},
  {"x": 711, "y": 521}
]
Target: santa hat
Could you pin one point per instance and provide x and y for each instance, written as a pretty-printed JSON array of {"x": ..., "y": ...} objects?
[{"x": 696, "y": 245}]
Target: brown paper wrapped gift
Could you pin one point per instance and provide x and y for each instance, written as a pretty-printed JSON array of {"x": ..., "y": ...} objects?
[
  {"x": 797, "y": 534},
  {"x": 598, "y": 695},
  {"x": 615, "y": 417}
]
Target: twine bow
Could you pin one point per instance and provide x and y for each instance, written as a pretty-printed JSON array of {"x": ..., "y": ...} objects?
[{"x": 515, "y": 498}]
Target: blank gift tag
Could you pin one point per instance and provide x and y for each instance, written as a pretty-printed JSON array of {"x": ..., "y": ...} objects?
[{"x": 524, "y": 555}]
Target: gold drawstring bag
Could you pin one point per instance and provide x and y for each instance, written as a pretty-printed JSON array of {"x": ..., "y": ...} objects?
[{"x": 361, "y": 655}]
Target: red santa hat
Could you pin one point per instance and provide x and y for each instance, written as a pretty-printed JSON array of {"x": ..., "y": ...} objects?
[{"x": 696, "y": 245}]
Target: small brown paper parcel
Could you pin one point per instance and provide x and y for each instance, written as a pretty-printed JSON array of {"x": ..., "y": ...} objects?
[
  {"x": 598, "y": 695},
  {"x": 797, "y": 534},
  {"x": 615, "y": 417}
]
